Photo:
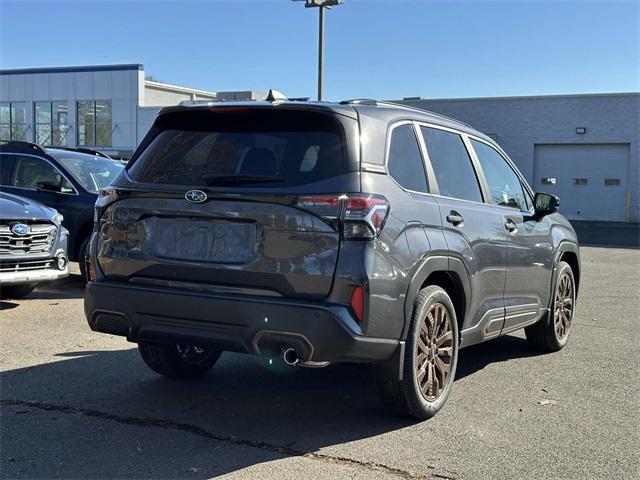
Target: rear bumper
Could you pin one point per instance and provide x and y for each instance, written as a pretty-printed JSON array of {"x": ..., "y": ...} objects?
[{"x": 257, "y": 325}]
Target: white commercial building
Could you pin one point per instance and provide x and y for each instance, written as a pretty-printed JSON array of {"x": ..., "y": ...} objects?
[{"x": 106, "y": 107}]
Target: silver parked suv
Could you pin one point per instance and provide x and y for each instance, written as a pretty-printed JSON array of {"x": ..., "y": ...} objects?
[
  {"x": 33, "y": 245},
  {"x": 354, "y": 232}
]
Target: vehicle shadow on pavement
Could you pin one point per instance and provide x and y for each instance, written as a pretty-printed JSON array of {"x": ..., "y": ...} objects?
[
  {"x": 117, "y": 419},
  {"x": 70, "y": 287},
  {"x": 103, "y": 414},
  {"x": 475, "y": 358},
  {"x": 5, "y": 305}
]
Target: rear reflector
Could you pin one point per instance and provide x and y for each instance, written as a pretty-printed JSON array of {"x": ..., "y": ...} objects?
[
  {"x": 357, "y": 303},
  {"x": 106, "y": 196},
  {"x": 360, "y": 216}
]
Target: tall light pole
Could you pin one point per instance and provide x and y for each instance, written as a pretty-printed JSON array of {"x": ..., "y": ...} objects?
[{"x": 321, "y": 5}]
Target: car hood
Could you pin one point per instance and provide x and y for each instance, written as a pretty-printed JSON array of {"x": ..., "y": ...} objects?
[{"x": 13, "y": 207}]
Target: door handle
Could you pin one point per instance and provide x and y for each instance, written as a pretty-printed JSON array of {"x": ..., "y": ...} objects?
[
  {"x": 455, "y": 218},
  {"x": 511, "y": 226}
]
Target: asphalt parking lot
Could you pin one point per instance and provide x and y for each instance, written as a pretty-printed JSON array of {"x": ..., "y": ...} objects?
[{"x": 77, "y": 404}]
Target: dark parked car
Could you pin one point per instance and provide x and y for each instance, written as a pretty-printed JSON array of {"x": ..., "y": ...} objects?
[
  {"x": 65, "y": 179},
  {"x": 33, "y": 246},
  {"x": 353, "y": 232}
]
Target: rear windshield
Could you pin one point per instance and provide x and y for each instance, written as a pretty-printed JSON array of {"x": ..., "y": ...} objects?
[{"x": 242, "y": 147}]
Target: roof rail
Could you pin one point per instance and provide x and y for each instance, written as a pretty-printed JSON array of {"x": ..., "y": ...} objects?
[
  {"x": 88, "y": 151},
  {"x": 19, "y": 145},
  {"x": 383, "y": 103},
  {"x": 359, "y": 101},
  {"x": 423, "y": 110}
]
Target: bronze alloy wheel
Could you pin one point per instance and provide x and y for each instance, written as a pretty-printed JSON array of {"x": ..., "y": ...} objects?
[
  {"x": 563, "y": 309},
  {"x": 435, "y": 352}
]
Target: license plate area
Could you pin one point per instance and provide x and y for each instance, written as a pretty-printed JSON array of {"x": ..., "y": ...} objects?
[{"x": 203, "y": 241}]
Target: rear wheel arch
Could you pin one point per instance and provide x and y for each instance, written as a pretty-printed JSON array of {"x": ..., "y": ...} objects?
[
  {"x": 448, "y": 273},
  {"x": 450, "y": 282}
]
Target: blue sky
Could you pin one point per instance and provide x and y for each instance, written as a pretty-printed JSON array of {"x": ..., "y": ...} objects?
[{"x": 381, "y": 49}]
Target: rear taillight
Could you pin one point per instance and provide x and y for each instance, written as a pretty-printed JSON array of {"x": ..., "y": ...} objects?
[
  {"x": 364, "y": 216},
  {"x": 325, "y": 206},
  {"x": 360, "y": 216},
  {"x": 106, "y": 197}
]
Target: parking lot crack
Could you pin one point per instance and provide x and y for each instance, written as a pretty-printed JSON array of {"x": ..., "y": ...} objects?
[{"x": 202, "y": 432}]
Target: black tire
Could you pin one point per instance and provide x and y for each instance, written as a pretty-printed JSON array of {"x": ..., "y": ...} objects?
[
  {"x": 17, "y": 291},
  {"x": 405, "y": 397},
  {"x": 82, "y": 258},
  {"x": 170, "y": 360},
  {"x": 547, "y": 334}
]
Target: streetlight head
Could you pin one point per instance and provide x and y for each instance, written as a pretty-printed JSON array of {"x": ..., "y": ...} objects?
[{"x": 320, "y": 3}]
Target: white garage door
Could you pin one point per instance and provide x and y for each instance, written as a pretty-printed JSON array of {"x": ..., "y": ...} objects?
[{"x": 591, "y": 180}]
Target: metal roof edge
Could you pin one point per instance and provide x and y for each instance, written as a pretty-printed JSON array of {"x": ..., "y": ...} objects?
[{"x": 72, "y": 69}]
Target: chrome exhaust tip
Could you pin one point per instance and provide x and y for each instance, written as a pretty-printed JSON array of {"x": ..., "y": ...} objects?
[{"x": 289, "y": 356}]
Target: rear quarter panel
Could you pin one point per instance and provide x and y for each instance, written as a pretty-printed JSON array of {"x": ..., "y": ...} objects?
[{"x": 411, "y": 234}]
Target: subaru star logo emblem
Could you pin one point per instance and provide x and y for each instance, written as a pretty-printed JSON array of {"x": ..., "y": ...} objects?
[
  {"x": 195, "y": 196},
  {"x": 20, "y": 229}
]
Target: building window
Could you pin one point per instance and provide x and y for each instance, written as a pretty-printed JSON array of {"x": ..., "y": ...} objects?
[
  {"x": 13, "y": 121},
  {"x": 612, "y": 182},
  {"x": 94, "y": 123},
  {"x": 51, "y": 122},
  {"x": 580, "y": 181}
]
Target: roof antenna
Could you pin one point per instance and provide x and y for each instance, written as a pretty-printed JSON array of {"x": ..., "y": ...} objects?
[{"x": 275, "y": 95}]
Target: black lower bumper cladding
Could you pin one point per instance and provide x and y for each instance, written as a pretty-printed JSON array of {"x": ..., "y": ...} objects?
[{"x": 261, "y": 326}]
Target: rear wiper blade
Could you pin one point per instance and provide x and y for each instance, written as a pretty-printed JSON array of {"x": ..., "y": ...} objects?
[{"x": 236, "y": 179}]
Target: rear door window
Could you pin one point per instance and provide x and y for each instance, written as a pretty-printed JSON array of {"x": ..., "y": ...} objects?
[
  {"x": 405, "y": 161},
  {"x": 30, "y": 171},
  {"x": 244, "y": 147},
  {"x": 451, "y": 164}
]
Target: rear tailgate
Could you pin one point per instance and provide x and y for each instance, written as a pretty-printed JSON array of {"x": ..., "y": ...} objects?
[
  {"x": 258, "y": 247},
  {"x": 245, "y": 236}
]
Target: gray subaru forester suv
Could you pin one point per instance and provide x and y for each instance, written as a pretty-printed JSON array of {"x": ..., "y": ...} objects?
[{"x": 358, "y": 231}]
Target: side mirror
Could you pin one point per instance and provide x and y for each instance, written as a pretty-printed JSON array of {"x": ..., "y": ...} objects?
[
  {"x": 546, "y": 204},
  {"x": 49, "y": 186}
]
